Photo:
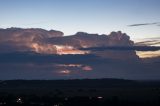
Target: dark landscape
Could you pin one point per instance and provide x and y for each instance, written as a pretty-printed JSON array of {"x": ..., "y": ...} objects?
[{"x": 94, "y": 92}]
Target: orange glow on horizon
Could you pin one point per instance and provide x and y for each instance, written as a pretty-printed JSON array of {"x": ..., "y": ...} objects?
[{"x": 148, "y": 54}]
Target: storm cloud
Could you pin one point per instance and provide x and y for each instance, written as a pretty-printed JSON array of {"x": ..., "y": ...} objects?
[
  {"x": 38, "y": 66},
  {"x": 53, "y": 42},
  {"x": 41, "y": 54},
  {"x": 18, "y": 39},
  {"x": 124, "y": 48}
]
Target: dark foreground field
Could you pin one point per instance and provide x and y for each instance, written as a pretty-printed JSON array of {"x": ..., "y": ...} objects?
[{"x": 87, "y": 92}]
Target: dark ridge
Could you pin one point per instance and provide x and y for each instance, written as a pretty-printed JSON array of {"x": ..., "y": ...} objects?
[{"x": 72, "y": 83}]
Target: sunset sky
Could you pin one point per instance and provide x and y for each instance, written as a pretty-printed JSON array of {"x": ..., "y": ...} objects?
[
  {"x": 93, "y": 16},
  {"x": 89, "y": 39}
]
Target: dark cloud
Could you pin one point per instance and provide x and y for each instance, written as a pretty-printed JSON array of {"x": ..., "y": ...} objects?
[
  {"x": 33, "y": 57},
  {"x": 38, "y": 66},
  {"x": 124, "y": 48},
  {"x": 144, "y": 24},
  {"x": 32, "y": 54}
]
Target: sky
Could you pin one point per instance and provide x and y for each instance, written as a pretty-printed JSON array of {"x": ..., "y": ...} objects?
[
  {"x": 137, "y": 18},
  {"x": 21, "y": 56}
]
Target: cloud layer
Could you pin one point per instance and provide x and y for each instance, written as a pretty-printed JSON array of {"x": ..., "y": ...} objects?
[
  {"x": 124, "y": 48},
  {"x": 143, "y": 24},
  {"x": 37, "y": 66},
  {"x": 41, "y": 54}
]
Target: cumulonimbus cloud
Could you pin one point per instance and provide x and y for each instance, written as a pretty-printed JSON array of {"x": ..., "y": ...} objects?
[{"x": 53, "y": 42}]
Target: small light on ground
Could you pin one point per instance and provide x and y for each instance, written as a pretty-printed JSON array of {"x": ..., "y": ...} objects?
[{"x": 100, "y": 97}]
